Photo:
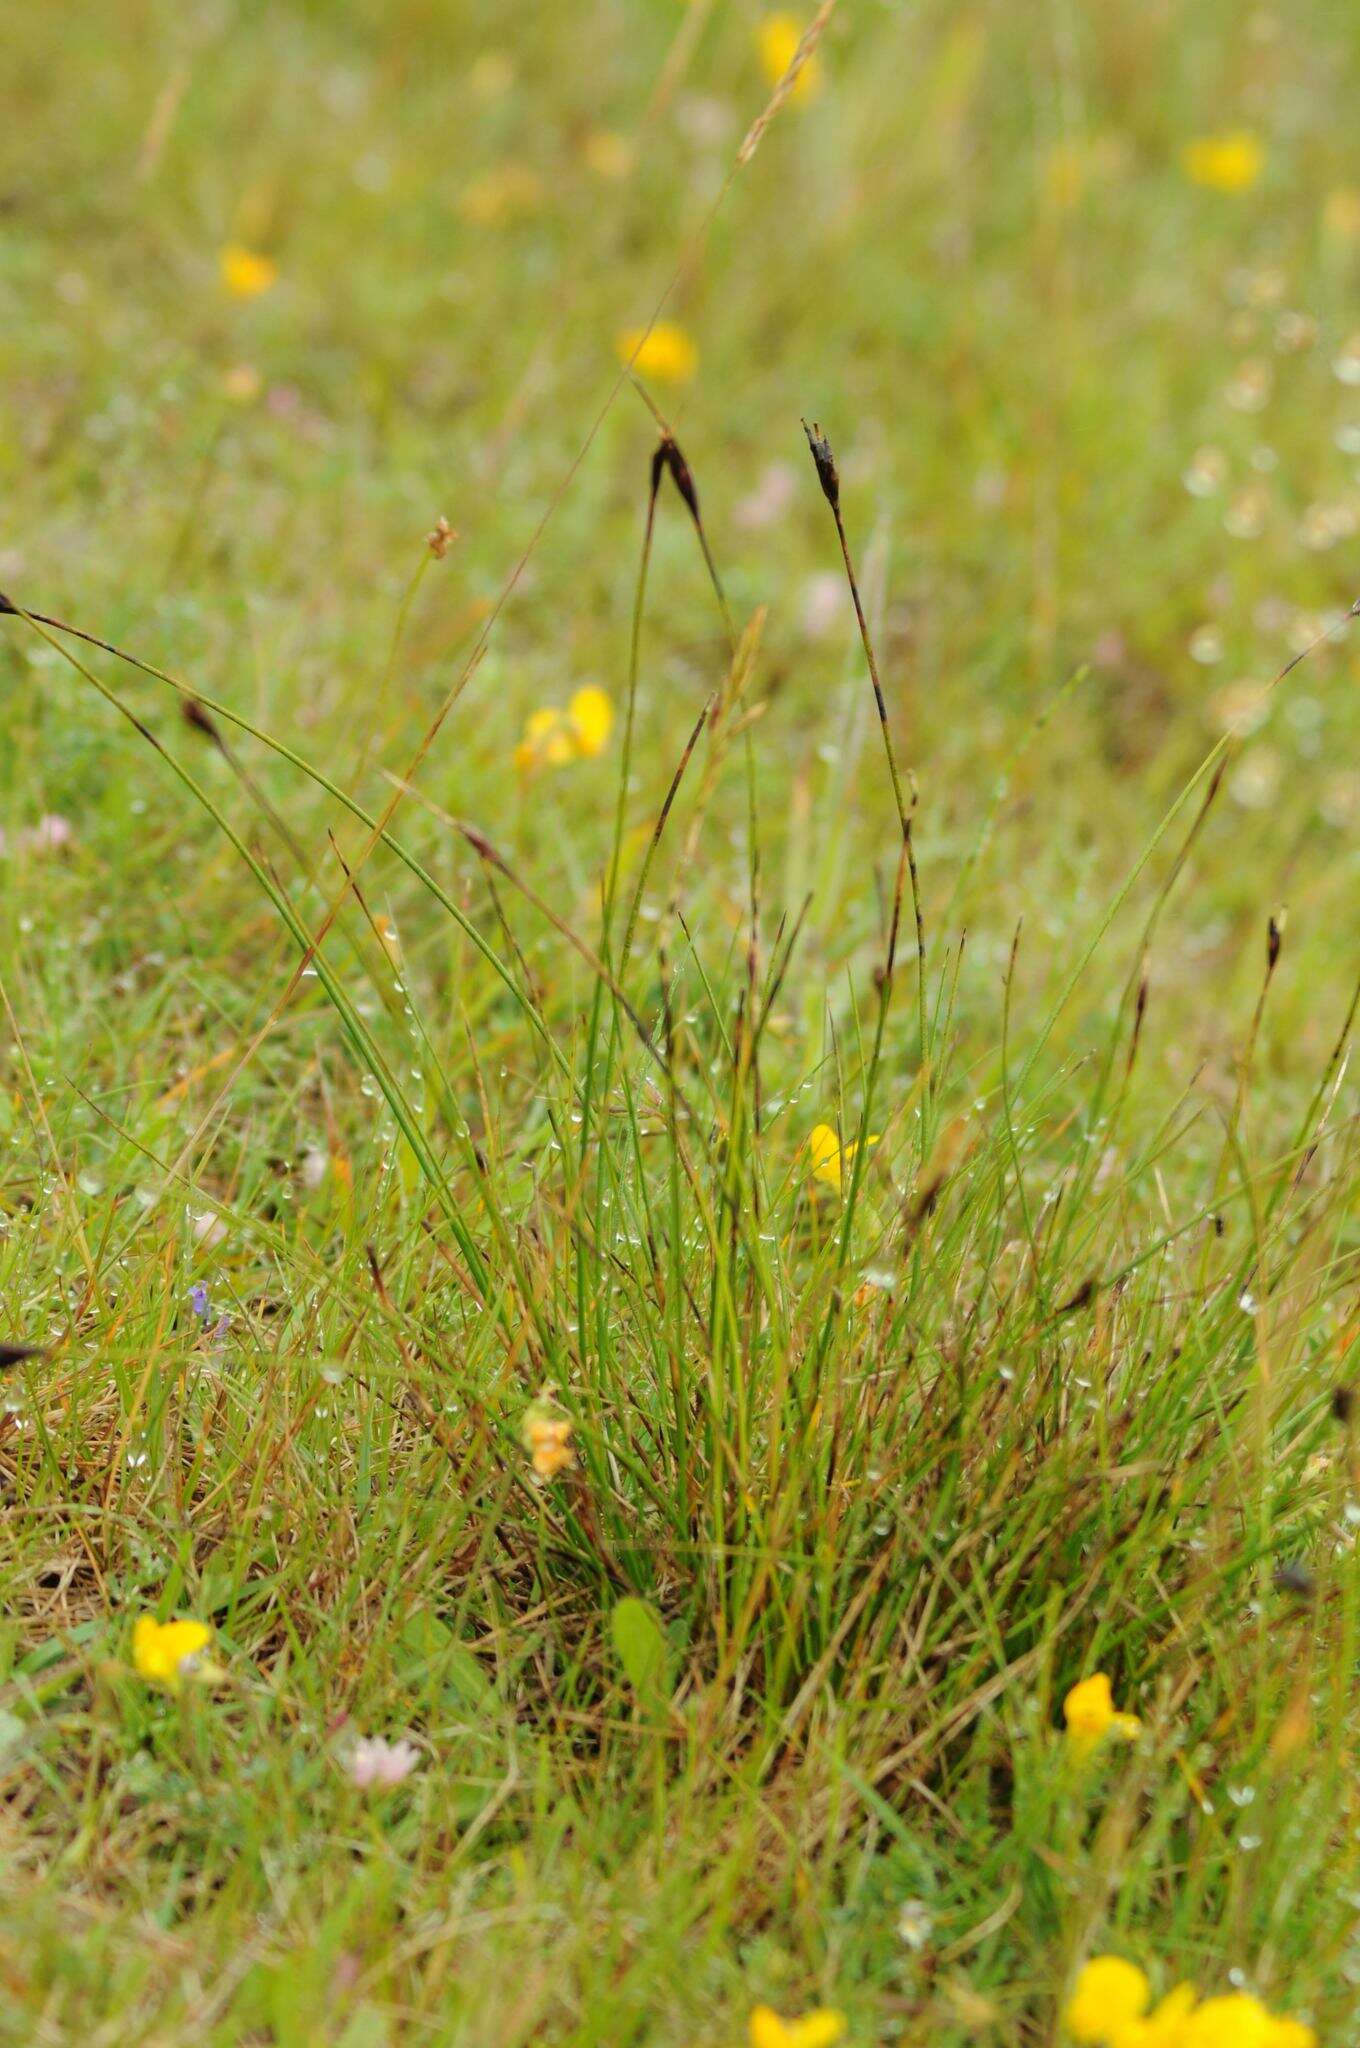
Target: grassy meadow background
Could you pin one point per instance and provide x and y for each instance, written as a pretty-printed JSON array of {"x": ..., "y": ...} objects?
[{"x": 323, "y": 1156}]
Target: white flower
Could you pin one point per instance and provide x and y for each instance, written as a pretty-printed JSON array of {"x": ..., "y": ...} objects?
[
  {"x": 376, "y": 1761},
  {"x": 313, "y": 1166},
  {"x": 915, "y": 1924}
]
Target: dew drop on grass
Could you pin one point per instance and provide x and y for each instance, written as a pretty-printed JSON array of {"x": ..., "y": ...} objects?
[
  {"x": 1241, "y": 1795},
  {"x": 1346, "y": 361},
  {"x": 1206, "y": 472},
  {"x": 1248, "y": 390},
  {"x": 1245, "y": 517}
]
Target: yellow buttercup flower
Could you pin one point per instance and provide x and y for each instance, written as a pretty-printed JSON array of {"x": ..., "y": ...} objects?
[
  {"x": 664, "y": 351},
  {"x": 830, "y": 1157},
  {"x": 818, "y": 2029},
  {"x": 1109, "y": 2009},
  {"x": 1231, "y": 162},
  {"x": 553, "y": 737},
  {"x": 777, "y": 40},
  {"x": 1109, "y": 1996},
  {"x": 1090, "y": 1714},
  {"x": 246, "y": 273},
  {"x": 167, "y": 1652}
]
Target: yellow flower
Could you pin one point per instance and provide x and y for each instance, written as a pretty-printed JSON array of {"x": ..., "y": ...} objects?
[
  {"x": 607, "y": 154},
  {"x": 814, "y": 2030},
  {"x": 242, "y": 384},
  {"x": 553, "y": 737},
  {"x": 1287, "y": 2033},
  {"x": 777, "y": 40},
  {"x": 590, "y": 715},
  {"x": 546, "y": 1435},
  {"x": 1237, "y": 2020},
  {"x": 664, "y": 351},
  {"x": 245, "y": 273},
  {"x": 1109, "y": 1997},
  {"x": 1108, "y": 2009},
  {"x": 167, "y": 1652},
  {"x": 501, "y": 195},
  {"x": 1231, "y": 162},
  {"x": 829, "y": 1158},
  {"x": 1165, "y": 2025},
  {"x": 546, "y": 742},
  {"x": 1089, "y": 1712}
]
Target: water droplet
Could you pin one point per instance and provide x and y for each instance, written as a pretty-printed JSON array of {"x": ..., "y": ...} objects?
[
  {"x": 1346, "y": 361},
  {"x": 1246, "y": 515},
  {"x": 1206, "y": 472},
  {"x": 1249, "y": 388}
]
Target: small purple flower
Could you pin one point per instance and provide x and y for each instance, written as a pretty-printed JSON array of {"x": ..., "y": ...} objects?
[{"x": 198, "y": 1300}]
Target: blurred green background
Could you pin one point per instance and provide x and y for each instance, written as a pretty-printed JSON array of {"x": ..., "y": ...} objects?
[{"x": 1089, "y": 410}]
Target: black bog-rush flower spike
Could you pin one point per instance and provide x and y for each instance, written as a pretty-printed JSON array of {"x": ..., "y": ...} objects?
[
  {"x": 15, "y": 1354},
  {"x": 827, "y": 473}
]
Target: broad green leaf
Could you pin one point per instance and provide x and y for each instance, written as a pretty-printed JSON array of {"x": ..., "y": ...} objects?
[{"x": 641, "y": 1646}]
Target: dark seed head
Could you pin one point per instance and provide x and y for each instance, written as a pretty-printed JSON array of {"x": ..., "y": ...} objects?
[
  {"x": 195, "y": 715},
  {"x": 1292, "y": 1577},
  {"x": 669, "y": 452},
  {"x": 827, "y": 474},
  {"x": 1343, "y": 1403},
  {"x": 1274, "y": 941},
  {"x": 6, "y": 606},
  {"x": 15, "y": 1354}
]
